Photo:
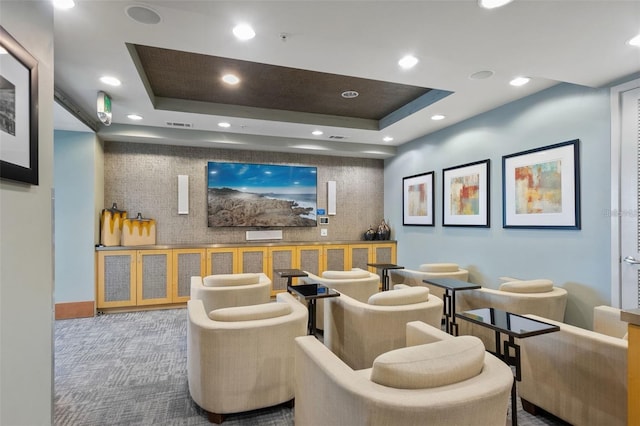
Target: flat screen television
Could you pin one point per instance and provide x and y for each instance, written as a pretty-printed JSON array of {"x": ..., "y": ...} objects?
[{"x": 260, "y": 195}]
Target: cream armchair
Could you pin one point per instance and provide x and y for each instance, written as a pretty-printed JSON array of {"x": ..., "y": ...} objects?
[
  {"x": 357, "y": 283},
  {"x": 539, "y": 297},
  {"x": 425, "y": 271},
  {"x": 227, "y": 290},
  {"x": 578, "y": 375},
  {"x": 358, "y": 332},
  {"x": 438, "y": 380},
  {"x": 241, "y": 358}
]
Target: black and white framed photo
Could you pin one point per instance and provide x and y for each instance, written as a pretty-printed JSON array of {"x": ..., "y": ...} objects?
[
  {"x": 18, "y": 112},
  {"x": 417, "y": 200},
  {"x": 541, "y": 187},
  {"x": 465, "y": 195}
]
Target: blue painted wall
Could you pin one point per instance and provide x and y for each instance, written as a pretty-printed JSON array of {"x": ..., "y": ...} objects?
[
  {"x": 75, "y": 220},
  {"x": 577, "y": 260}
]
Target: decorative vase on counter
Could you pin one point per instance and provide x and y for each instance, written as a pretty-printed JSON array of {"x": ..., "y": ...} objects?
[
  {"x": 384, "y": 232},
  {"x": 370, "y": 234},
  {"x": 139, "y": 231},
  {"x": 111, "y": 226}
]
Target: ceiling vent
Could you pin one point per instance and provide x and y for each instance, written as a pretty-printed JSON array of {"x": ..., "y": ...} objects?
[
  {"x": 179, "y": 125},
  {"x": 337, "y": 137}
]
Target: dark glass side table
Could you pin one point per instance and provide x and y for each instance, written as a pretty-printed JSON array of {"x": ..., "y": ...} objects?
[
  {"x": 385, "y": 272},
  {"x": 450, "y": 286},
  {"x": 311, "y": 293},
  {"x": 513, "y": 325},
  {"x": 289, "y": 274}
]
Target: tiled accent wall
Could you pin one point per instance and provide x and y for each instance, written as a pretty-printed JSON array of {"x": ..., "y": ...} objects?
[{"x": 144, "y": 178}]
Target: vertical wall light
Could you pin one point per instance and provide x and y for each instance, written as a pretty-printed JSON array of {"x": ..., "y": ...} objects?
[
  {"x": 331, "y": 197},
  {"x": 183, "y": 194}
]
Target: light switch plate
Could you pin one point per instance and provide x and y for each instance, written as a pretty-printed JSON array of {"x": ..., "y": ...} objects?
[{"x": 324, "y": 232}]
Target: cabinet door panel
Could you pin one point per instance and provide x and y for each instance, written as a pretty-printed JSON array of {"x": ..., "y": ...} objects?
[
  {"x": 361, "y": 254},
  {"x": 154, "y": 277},
  {"x": 281, "y": 258},
  {"x": 186, "y": 263},
  {"x": 222, "y": 261},
  {"x": 253, "y": 260},
  {"x": 384, "y": 253},
  {"x": 336, "y": 258},
  {"x": 310, "y": 259},
  {"x": 116, "y": 283}
]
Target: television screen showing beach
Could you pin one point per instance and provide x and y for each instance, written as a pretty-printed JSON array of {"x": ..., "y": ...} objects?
[{"x": 261, "y": 195}]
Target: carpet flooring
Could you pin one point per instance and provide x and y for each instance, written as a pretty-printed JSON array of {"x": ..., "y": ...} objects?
[{"x": 130, "y": 369}]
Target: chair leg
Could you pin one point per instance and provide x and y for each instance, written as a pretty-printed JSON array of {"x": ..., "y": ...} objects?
[
  {"x": 530, "y": 407},
  {"x": 215, "y": 417}
]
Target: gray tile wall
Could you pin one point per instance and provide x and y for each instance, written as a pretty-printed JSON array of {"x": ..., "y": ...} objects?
[{"x": 144, "y": 178}]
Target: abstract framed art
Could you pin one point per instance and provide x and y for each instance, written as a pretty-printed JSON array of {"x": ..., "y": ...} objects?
[
  {"x": 18, "y": 112},
  {"x": 541, "y": 187},
  {"x": 417, "y": 200},
  {"x": 465, "y": 195}
]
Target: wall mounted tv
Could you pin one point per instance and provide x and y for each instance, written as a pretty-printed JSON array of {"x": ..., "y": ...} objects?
[{"x": 260, "y": 195}]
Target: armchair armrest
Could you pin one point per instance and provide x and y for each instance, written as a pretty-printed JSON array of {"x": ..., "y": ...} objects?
[
  {"x": 419, "y": 333},
  {"x": 606, "y": 320}
]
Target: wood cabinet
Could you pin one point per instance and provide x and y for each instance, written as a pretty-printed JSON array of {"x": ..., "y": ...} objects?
[
  {"x": 153, "y": 277},
  {"x": 146, "y": 277}
]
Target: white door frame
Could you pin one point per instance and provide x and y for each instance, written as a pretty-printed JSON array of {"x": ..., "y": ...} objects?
[{"x": 616, "y": 143}]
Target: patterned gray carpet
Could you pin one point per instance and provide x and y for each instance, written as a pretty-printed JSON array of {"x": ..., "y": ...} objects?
[{"x": 130, "y": 369}]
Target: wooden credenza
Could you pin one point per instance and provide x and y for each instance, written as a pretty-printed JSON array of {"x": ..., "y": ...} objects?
[{"x": 130, "y": 277}]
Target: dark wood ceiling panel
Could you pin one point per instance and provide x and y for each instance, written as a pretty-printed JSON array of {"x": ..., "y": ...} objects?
[{"x": 197, "y": 77}]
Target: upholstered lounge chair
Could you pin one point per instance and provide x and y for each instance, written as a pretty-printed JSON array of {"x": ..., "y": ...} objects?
[
  {"x": 241, "y": 358},
  {"x": 228, "y": 290},
  {"x": 578, "y": 375},
  {"x": 539, "y": 297},
  {"x": 438, "y": 380},
  {"x": 425, "y": 271},
  {"x": 358, "y": 332},
  {"x": 357, "y": 283}
]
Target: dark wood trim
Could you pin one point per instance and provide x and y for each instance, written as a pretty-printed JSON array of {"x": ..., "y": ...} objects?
[{"x": 75, "y": 310}]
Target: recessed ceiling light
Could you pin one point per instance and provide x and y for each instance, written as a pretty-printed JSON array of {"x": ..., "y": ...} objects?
[
  {"x": 481, "y": 75},
  {"x": 111, "y": 81},
  {"x": 437, "y": 117},
  {"x": 492, "y": 4},
  {"x": 408, "y": 61},
  {"x": 243, "y": 32},
  {"x": 134, "y": 117},
  {"x": 317, "y": 132},
  {"x": 349, "y": 94},
  {"x": 635, "y": 41},
  {"x": 519, "y": 81},
  {"x": 224, "y": 124},
  {"x": 230, "y": 79},
  {"x": 63, "y": 4},
  {"x": 387, "y": 139}
]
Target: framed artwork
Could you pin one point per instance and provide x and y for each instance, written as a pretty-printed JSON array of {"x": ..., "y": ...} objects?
[
  {"x": 18, "y": 112},
  {"x": 541, "y": 187},
  {"x": 465, "y": 195},
  {"x": 417, "y": 200}
]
